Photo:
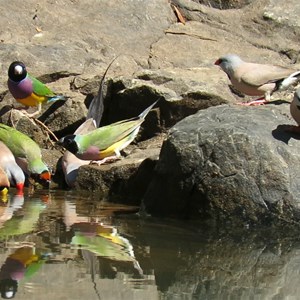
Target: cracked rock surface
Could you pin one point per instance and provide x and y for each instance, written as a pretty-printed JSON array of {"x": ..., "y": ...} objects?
[
  {"x": 228, "y": 163},
  {"x": 225, "y": 162}
]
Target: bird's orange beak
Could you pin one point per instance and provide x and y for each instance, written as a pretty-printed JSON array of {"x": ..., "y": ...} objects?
[{"x": 45, "y": 176}]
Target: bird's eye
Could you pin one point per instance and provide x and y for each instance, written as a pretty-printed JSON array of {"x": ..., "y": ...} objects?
[{"x": 68, "y": 141}]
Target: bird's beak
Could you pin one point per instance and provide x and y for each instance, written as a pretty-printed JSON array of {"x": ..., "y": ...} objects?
[
  {"x": 45, "y": 176},
  {"x": 60, "y": 142},
  {"x": 217, "y": 62},
  {"x": 20, "y": 186}
]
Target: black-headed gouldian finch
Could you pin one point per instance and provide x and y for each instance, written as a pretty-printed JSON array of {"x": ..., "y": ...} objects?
[
  {"x": 8, "y": 163},
  {"x": 28, "y": 90},
  {"x": 27, "y": 153},
  {"x": 107, "y": 141}
]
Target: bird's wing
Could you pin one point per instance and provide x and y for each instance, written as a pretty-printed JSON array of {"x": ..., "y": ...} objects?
[
  {"x": 86, "y": 127},
  {"x": 40, "y": 88},
  {"x": 106, "y": 136},
  {"x": 258, "y": 74},
  {"x": 19, "y": 144}
]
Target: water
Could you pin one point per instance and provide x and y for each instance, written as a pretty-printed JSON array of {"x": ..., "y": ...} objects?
[{"x": 67, "y": 245}]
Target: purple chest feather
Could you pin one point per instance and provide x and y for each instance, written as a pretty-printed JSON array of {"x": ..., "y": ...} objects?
[
  {"x": 92, "y": 153},
  {"x": 20, "y": 89}
]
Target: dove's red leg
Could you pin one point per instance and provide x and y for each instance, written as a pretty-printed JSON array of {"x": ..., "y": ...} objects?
[{"x": 256, "y": 102}]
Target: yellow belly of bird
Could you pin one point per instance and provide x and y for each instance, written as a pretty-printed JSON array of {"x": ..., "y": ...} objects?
[
  {"x": 115, "y": 148},
  {"x": 110, "y": 151},
  {"x": 32, "y": 100}
]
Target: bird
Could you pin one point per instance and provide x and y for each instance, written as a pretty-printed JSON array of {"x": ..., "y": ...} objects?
[
  {"x": 104, "y": 241},
  {"x": 8, "y": 163},
  {"x": 97, "y": 237},
  {"x": 22, "y": 263},
  {"x": 28, "y": 90},
  {"x": 71, "y": 163},
  {"x": 105, "y": 142},
  {"x": 255, "y": 79},
  {"x": 27, "y": 153}
]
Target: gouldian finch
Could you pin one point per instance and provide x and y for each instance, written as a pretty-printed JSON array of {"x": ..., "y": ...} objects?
[
  {"x": 26, "y": 151},
  {"x": 106, "y": 141},
  {"x": 257, "y": 79},
  {"x": 28, "y": 90},
  {"x": 104, "y": 241},
  {"x": 8, "y": 163},
  {"x": 20, "y": 265}
]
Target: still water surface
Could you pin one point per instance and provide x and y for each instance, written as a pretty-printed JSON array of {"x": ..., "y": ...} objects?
[{"x": 64, "y": 245}]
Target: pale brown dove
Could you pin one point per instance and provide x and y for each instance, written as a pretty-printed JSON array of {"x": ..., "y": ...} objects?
[{"x": 255, "y": 79}]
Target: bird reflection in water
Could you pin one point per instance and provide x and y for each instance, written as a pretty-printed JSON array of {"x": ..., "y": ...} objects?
[
  {"x": 96, "y": 242},
  {"x": 95, "y": 239},
  {"x": 22, "y": 263}
]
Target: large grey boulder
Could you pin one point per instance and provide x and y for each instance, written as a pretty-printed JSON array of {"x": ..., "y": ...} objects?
[{"x": 229, "y": 163}]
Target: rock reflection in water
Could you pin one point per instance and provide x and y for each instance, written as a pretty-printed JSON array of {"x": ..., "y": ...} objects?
[{"x": 65, "y": 246}]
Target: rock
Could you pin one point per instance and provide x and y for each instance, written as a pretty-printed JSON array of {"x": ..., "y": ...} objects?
[
  {"x": 225, "y": 4},
  {"x": 155, "y": 56},
  {"x": 287, "y": 16},
  {"x": 49, "y": 37},
  {"x": 125, "y": 180},
  {"x": 180, "y": 93},
  {"x": 227, "y": 164}
]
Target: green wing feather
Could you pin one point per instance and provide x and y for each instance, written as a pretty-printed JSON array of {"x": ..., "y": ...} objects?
[
  {"x": 23, "y": 146},
  {"x": 20, "y": 225},
  {"x": 20, "y": 144},
  {"x": 106, "y": 136},
  {"x": 102, "y": 247},
  {"x": 40, "y": 88}
]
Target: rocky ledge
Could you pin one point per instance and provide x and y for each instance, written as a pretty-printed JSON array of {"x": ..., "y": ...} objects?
[{"x": 223, "y": 163}]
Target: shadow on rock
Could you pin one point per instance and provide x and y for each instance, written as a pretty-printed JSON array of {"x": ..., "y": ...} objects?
[
  {"x": 284, "y": 133},
  {"x": 56, "y": 105}
]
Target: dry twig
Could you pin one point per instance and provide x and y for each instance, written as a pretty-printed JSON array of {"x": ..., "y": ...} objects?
[{"x": 191, "y": 34}]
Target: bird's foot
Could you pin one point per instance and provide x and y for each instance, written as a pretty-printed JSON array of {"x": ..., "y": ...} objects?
[
  {"x": 23, "y": 111},
  {"x": 16, "y": 114},
  {"x": 105, "y": 160},
  {"x": 32, "y": 115},
  {"x": 256, "y": 102}
]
